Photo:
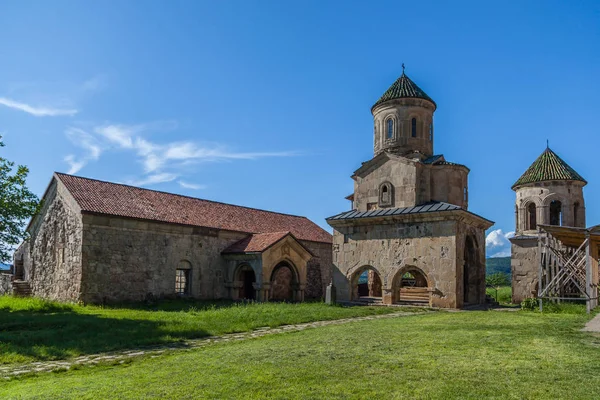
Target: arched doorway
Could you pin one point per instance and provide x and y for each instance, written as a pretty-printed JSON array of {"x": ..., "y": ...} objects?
[
  {"x": 247, "y": 277},
  {"x": 471, "y": 278},
  {"x": 411, "y": 286},
  {"x": 366, "y": 284},
  {"x": 283, "y": 282}
]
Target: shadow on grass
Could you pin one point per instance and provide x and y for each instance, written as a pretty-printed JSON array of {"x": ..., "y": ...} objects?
[{"x": 27, "y": 336}]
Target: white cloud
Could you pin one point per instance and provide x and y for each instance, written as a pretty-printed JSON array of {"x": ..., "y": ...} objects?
[
  {"x": 154, "y": 179},
  {"x": 193, "y": 186},
  {"x": 497, "y": 243},
  {"x": 92, "y": 147},
  {"x": 36, "y": 111},
  {"x": 159, "y": 158}
]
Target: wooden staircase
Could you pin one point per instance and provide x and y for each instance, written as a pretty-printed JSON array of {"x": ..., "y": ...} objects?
[{"x": 21, "y": 288}]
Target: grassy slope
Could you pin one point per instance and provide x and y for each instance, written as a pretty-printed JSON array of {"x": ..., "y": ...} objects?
[
  {"x": 439, "y": 355},
  {"x": 33, "y": 329},
  {"x": 497, "y": 264}
]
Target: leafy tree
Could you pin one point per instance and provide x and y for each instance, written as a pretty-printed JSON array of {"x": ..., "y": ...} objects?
[
  {"x": 17, "y": 205},
  {"x": 498, "y": 279}
]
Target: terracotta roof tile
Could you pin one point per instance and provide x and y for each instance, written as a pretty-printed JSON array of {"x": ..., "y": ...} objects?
[
  {"x": 257, "y": 242},
  {"x": 101, "y": 197},
  {"x": 548, "y": 167}
]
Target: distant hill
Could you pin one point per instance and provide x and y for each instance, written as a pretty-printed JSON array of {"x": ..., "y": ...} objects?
[{"x": 497, "y": 264}]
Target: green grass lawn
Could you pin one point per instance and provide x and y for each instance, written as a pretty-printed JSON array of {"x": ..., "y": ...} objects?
[
  {"x": 504, "y": 355},
  {"x": 504, "y": 294},
  {"x": 34, "y": 330}
]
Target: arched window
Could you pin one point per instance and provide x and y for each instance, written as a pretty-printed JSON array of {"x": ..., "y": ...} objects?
[
  {"x": 413, "y": 127},
  {"x": 576, "y": 214},
  {"x": 390, "y": 128},
  {"x": 531, "y": 217},
  {"x": 385, "y": 195},
  {"x": 465, "y": 194},
  {"x": 556, "y": 213},
  {"x": 431, "y": 131}
]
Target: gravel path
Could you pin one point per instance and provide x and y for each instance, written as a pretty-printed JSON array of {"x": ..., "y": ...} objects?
[{"x": 8, "y": 371}]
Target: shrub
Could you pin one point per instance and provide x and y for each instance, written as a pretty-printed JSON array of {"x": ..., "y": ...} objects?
[
  {"x": 498, "y": 279},
  {"x": 529, "y": 303}
]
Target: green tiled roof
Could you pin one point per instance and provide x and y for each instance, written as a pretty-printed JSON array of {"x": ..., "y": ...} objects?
[
  {"x": 548, "y": 167},
  {"x": 403, "y": 88}
]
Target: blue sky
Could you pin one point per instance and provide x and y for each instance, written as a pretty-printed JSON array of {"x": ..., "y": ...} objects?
[{"x": 267, "y": 103}]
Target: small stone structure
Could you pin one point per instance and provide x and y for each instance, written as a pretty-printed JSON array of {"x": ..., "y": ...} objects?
[
  {"x": 97, "y": 241},
  {"x": 550, "y": 192},
  {"x": 409, "y": 226}
]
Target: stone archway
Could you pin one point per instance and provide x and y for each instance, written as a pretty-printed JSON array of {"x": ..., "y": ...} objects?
[
  {"x": 246, "y": 276},
  {"x": 366, "y": 284},
  {"x": 284, "y": 282},
  {"x": 410, "y": 285},
  {"x": 471, "y": 272}
]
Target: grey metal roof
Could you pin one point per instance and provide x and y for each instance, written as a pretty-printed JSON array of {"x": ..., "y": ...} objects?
[{"x": 424, "y": 208}]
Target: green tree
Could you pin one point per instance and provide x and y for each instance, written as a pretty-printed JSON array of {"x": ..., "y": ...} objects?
[
  {"x": 17, "y": 205},
  {"x": 498, "y": 279}
]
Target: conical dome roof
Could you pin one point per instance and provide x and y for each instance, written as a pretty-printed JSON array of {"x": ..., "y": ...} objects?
[
  {"x": 404, "y": 87},
  {"x": 548, "y": 167}
]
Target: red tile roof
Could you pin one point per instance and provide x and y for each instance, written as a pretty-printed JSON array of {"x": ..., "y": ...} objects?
[
  {"x": 101, "y": 197},
  {"x": 257, "y": 242}
]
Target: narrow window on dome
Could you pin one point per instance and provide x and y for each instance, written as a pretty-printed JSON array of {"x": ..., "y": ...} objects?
[
  {"x": 390, "y": 129},
  {"x": 431, "y": 132},
  {"x": 414, "y": 127}
]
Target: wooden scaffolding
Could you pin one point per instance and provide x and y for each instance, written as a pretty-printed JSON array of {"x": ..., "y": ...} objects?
[{"x": 568, "y": 260}]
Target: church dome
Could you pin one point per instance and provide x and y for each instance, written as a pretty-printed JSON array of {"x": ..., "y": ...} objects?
[
  {"x": 404, "y": 87},
  {"x": 548, "y": 167}
]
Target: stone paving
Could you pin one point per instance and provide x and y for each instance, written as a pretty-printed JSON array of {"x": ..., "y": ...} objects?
[
  {"x": 120, "y": 357},
  {"x": 593, "y": 325}
]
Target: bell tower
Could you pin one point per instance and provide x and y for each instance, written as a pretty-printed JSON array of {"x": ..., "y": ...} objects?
[{"x": 403, "y": 120}]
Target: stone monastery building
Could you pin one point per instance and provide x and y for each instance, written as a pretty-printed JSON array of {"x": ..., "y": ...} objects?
[
  {"x": 550, "y": 192},
  {"x": 97, "y": 241},
  {"x": 409, "y": 237}
]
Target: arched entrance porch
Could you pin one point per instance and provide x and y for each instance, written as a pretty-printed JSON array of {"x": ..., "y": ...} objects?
[
  {"x": 410, "y": 286},
  {"x": 472, "y": 281},
  {"x": 247, "y": 281},
  {"x": 285, "y": 284},
  {"x": 366, "y": 285}
]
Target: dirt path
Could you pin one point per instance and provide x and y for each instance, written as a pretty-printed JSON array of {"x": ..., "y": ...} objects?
[{"x": 8, "y": 371}]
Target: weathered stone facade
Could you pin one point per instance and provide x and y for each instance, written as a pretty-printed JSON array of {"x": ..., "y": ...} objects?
[
  {"x": 75, "y": 255},
  {"x": 409, "y": 226},
  {"x": 524, "y": 264}
]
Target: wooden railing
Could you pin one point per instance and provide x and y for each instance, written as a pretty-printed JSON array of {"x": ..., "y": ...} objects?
[{"x": 416, "y": 294}]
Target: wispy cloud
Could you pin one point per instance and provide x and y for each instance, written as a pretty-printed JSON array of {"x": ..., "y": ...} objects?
[
  {"x": 161, "y": 162},
  {"x": 154, "y": 179},
  {"x": 93, "y": 149},
  {"x": 39, "y": 111},
  {"x": 188, "y": 185}
]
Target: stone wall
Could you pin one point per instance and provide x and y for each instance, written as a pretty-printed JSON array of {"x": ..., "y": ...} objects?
[
  {"x": 318, "y": 269},
  {"x": 125, "y": 259},
  {"x": 400, "y": 172},
  {"x": 448, "y": 183},
  {"x": 393, "y": 248},
  {"x": 6, "y": 283},
  {"x": 524, "y": 268},
  {"x": 52, "y": 256}
]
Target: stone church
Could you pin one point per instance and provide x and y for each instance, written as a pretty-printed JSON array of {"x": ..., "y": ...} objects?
[
  {"x": 550, "y": 192},
  {"x": 409, "y": 237},
  {"x": 96, "y": 242}
]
